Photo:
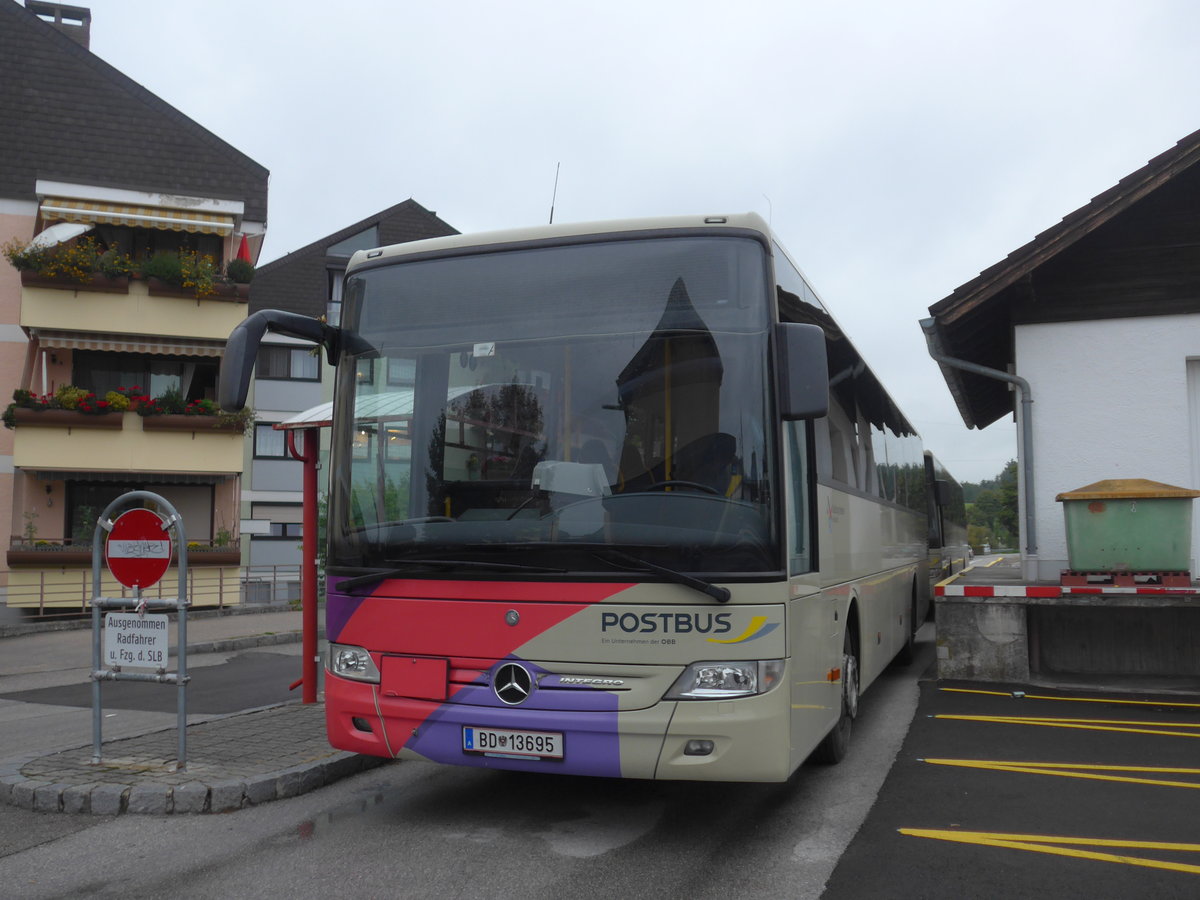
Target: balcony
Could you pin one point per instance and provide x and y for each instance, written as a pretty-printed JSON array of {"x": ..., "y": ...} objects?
[
  {"x": 126, "y": 442},
  {"x": 129, "y": 307}
]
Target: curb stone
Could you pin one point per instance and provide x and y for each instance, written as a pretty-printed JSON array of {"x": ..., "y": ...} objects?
[
  {"x": 190, "y": 798},
  {"x": 226, "y": 796},
  {"x": 108, "y": 799}
]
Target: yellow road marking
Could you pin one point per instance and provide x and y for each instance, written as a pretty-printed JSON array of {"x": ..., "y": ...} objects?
[
  {"x": 1074, "y": 699},
  {"x": 1078, "y": 770},
  {"x": 1037, "y": 843},
  {"x": 1086, "y": 724}
]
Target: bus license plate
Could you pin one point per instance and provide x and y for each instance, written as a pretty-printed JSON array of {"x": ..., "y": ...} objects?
[{"x": 524, "y": 744}]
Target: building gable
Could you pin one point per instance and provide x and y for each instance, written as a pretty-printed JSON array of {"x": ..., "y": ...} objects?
[{"x": 67, "y": 115}]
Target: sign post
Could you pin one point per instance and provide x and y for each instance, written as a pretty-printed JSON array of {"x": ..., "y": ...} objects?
[{"x": 138, "y": 552}]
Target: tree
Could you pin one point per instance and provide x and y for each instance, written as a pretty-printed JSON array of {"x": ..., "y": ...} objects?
[{"x": 994, "y": 510}]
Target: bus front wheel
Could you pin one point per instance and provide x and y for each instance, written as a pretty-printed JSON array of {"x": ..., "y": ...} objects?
[{"x": 834, "y": 746}]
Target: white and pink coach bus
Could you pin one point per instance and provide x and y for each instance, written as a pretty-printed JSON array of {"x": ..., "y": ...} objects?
[{"x": 614, "y": 499}]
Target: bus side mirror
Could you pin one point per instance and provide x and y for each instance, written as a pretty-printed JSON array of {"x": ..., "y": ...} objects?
[
  {"x": 802, "y": 371},
  {"x": 241, "y": 350}
]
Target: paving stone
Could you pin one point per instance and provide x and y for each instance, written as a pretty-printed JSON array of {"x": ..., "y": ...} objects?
[
  {"x": 147, "y": 800},
  {"x": 190, "y": 798},
  {"x": 108, "y": 799}
]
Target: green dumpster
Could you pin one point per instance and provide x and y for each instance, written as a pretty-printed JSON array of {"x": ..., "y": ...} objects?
[{"x": 1129, "y": 525}]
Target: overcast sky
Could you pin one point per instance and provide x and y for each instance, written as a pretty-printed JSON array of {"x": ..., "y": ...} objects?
[{"x": 897, "y": 148}]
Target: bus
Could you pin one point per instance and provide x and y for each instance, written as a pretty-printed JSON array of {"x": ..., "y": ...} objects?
[
  {"x": 615, "y": 499},
  {"x": 949, "y": 552}
]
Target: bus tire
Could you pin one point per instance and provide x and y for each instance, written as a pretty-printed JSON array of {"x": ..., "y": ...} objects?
[{"x": 833, "y": 746}]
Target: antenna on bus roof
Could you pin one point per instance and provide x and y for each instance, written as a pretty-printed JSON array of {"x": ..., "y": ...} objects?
[{"x": 554, "y": 196}]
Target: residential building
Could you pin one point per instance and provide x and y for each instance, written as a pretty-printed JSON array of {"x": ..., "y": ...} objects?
[
  {"x": 1097, "y": 319},
  {"x": 291, "y": 376},
  {"x": 101, "y": 175}
]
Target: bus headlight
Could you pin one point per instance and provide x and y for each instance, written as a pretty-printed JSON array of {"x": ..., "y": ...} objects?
[
  {"x": 725, "y": 680},
  {"x": 352, "y": 662}
]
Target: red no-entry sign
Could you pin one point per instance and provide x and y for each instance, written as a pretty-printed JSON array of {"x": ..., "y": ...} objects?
[{"x": 138, "y": 551}]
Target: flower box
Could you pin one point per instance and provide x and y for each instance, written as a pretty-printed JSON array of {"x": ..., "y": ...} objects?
[
  {"x": 98, "y": 283},
  {"x": 220, "y": 291},
  {"x": 180, "y": 422},
  {"x": 65, "y": 418}
]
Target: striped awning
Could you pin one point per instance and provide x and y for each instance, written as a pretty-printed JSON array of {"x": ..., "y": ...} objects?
[
  {"x": 62, "y": 209},
  {"x": 126, "y": 343}
]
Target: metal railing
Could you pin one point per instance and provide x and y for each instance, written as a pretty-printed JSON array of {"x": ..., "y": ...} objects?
[{"x": 68, "y": 593}]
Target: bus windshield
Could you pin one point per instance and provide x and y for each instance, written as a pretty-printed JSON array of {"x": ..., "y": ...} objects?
[{"x": 582, "y": 404}]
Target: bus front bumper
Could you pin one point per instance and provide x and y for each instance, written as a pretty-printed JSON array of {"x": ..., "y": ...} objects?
[{"x": 721, "y": 740}]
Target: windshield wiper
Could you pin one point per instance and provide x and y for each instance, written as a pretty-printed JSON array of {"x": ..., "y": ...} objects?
[
  {"x": 718, "y": 593},
  {"x": 404, "y": 566}
]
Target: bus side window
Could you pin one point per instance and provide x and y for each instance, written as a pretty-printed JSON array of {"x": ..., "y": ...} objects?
[
  {"x": 800, "y": 555},
  {"x": 824, "y": 448},
  {"x": 843, "y": 446}
]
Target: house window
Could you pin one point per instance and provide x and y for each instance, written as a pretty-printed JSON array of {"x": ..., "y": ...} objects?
[
  {"x": 297, "y": 364},
  {"x": 269, "y": 443},
  {"x": 100, "y": 372},
  {"x": 333, "y": 309},
  {"x": 143, "y": 243},
  {"x": 287, "y": 530}
]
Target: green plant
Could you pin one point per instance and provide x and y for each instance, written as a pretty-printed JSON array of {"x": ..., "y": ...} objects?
[
  {"x": 223, "y": 538},
  {"x": 241, "y": 420},
  {"x": 117, "y": 401},
  {"x": 165, "y": 267},
  {"x": 170, "y": 401},
  {"x": 199, "y": 272},
  {"x": 113, "y": 264},
  {"x": 75, "y": 260},
  {"x": 30, "y": 529},
  {"x": 240, "y": 271},
  {"x": 202, "y": 407},
  {"x": 24, "y": 258},
  {"x": 70, "y": 397}
]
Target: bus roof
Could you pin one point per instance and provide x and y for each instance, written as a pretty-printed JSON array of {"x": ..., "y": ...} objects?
[{"x": 747, "y": 221}]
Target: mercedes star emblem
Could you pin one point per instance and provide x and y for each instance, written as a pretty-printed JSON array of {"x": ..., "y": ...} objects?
[{"x": 512, "y": 684}]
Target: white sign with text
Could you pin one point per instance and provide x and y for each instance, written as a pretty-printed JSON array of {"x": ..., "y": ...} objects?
[{"x": 136, "y": 641}]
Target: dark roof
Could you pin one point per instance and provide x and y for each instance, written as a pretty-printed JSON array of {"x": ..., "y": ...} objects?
[
  {"x": 66, "y": 115},
  {"x": 299, "y": 282},
  {"x": 975, "y": 323}
]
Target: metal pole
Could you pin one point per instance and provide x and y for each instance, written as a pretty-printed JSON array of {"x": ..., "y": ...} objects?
[
  {"x": 184, "y": 602},
  {"x": 308, "y": 573}
]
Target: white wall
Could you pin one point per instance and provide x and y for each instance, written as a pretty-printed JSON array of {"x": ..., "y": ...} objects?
[{"x": 1110, "y": 401}]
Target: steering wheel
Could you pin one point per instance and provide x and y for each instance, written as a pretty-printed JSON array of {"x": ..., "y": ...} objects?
[{"x": 675, "y": 482}]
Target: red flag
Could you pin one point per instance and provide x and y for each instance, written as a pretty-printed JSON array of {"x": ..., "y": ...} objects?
[{"x": 244, "y": 250}]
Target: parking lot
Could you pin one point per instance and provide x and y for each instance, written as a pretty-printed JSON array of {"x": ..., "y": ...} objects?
[{"x": 1015, "y": 791}]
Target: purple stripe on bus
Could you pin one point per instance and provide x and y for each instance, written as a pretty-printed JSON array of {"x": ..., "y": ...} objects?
[
  {"x": 587, "y": 719},
  {"x": 338, "y": 609}
]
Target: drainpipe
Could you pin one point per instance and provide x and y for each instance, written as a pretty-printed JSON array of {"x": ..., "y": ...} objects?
[{"x": 1024, "y": 426}]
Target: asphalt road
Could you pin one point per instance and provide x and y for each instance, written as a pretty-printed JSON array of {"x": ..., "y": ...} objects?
[
  {"x": 420, "y": 830},
  {"x": 247, "y": 680},
  {"x": 1050, "y": 794}
]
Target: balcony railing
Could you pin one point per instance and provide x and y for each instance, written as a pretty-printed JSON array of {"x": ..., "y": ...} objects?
[
  {"x": 25, "y": 551},
  {"x": 208, "y": 588}
]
